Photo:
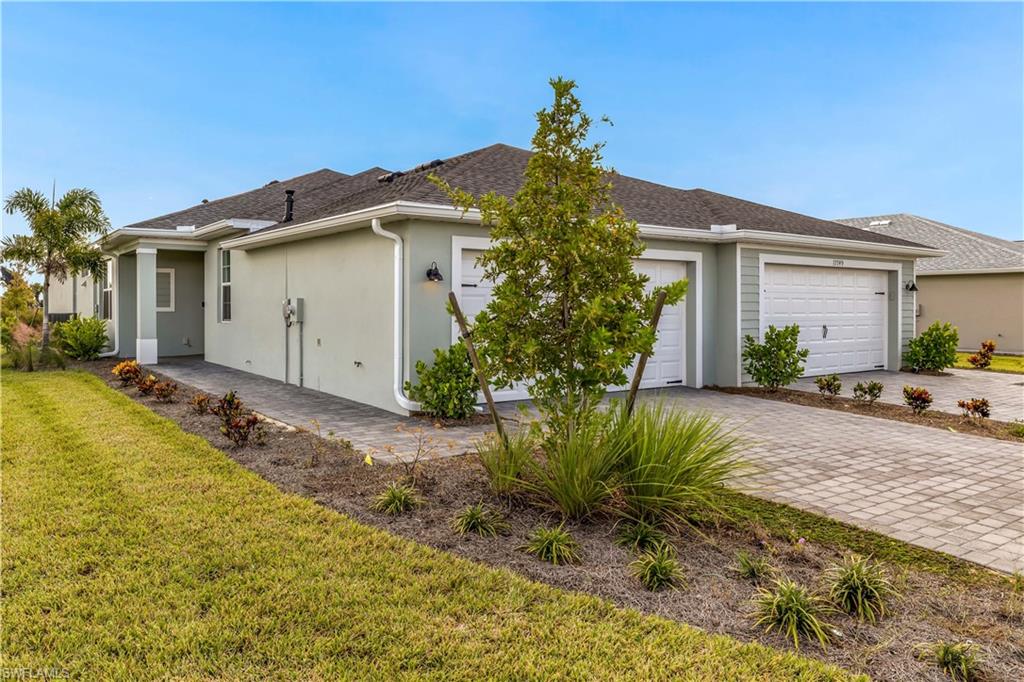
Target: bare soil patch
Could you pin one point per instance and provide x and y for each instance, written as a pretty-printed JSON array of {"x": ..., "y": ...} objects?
[
  {"x": 990, "y": 428},
  {"x": 932, "y": 607}
]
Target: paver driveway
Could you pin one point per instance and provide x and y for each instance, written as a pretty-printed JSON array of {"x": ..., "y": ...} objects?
[
  {"x": 1004, "y": 391},
  {"x": 957, "y": 493}
]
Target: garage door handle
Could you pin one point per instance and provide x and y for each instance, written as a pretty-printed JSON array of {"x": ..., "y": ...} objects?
[
  {"x": 469, "y": 285},
  {"x": 824, "y": 331}
]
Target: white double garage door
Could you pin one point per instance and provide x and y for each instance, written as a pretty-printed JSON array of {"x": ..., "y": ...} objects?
[
  {"x": 665, "y": 367},
  {"x": 842, "y": 313}
]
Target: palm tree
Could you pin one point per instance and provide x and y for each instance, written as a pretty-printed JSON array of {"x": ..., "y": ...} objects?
[{"x": 59, "y": 244}]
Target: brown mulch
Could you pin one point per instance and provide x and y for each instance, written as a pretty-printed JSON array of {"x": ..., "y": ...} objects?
[
  {"x": 932, "y": 607},
  {"x": 990, "y": 428}
]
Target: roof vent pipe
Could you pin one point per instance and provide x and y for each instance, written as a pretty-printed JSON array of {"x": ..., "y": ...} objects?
[{"x": 289, "y": 204}]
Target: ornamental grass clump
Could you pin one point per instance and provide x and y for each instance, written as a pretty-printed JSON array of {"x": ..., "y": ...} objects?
[
  {"x": 829, "y": 386},
  {"x": 867, "y": 392},
  {"x": 919, "y": 399},
  {"x": 505, "y": 465},
  {"x": 479, "y": 519},
  {"x": 554, "y": 545},
  {"x": 640, "y": 536},
  {"x": 672, "y": 462},
  {"x": 861, "y": 588},
  {"x": 657, "y": 568},
  {"x": 575, "y": 473},
  {"x": 754, "y": 568},
  {"x": 793, "y": 611},
  {"x": 959, "y": 660},
  {"x": 397, "y": 498}
]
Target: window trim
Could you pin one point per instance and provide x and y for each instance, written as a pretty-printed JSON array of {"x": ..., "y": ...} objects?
[
  {"x": 223, "y": 284},
  {"x": 169, "y": 271}
]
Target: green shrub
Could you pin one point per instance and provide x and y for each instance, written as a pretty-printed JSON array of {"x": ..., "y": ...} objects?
[
  {"x": 869, "y": 392},
  {"x": 975, "y": 408},
  {"x": 396, "y": 499},
  {"x": 793, "y": 612},
  {"x": 29, "y": 357},
  {"x": 640, "y": 536},
  {"x": 127, "y": 372},
  {"x": 860, "y": 588},
  {"x": 81, "y": 338},
  {"x": 575, "y": 474},
  {"x": 505, "y": 466},
  {"x": 778, "y": 361},
  {"x": 228, "y": 408},
  {"x": 983, "y": 358},
  {"x": 753, "y": 568},
  {"x": 447, "y": 388},
  {"x": 959, "y": 660},
  {"x": 554, "y": 545},
  {"x": 478, "y": 519},
  {"x": 1017, "y": 428},
  {"x": 671, "y": 462},
  {"x": 919, "y": 399},
  {"x": 829, "y": 386},
  {"x": 934, "y": 349},
  {"x": 658, "y": 568}
]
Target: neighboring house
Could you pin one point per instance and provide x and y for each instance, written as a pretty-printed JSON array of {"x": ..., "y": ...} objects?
[
  {"x": 351, "y": 254},
  {"x": 978, "y": 285}
]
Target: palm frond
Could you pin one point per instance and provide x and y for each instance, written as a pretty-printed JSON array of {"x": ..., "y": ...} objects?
[{"x": 28, "y": 202}]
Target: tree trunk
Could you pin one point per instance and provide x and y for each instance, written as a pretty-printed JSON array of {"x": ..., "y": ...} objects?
[{"x": 46, "y": 312}]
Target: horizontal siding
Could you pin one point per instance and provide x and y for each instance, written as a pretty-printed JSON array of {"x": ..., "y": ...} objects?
[{"x": 909, "y": 307}]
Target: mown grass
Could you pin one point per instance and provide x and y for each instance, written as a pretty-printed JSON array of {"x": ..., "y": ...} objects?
[
  {"x": 135, "y": 551},
  {"x": 1011, "y": 364}
]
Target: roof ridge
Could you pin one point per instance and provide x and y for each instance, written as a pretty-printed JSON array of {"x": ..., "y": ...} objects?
[{"x": 971, "y": 234}]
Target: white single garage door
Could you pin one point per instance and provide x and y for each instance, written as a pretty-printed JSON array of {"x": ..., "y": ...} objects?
[
  {"x": 841, "y": 313},
  {"x": 665, "y": 367}
]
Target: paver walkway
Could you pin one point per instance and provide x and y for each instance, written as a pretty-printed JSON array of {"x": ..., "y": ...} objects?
[
  {"x": 1005, "y": 392},
  {"x": 953, "y": 492}
]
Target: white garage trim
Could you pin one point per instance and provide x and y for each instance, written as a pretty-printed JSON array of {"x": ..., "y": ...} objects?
[{"x": 838, "y": 264}]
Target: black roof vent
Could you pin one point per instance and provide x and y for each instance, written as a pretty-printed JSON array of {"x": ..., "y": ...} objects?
[
  {"x": 272, "y": 182},
  {"x": 427, "y": 166},
  {"x": 390, "y": 177},
  {"x": 289, "y": 204},
  {"x": 205, "y": 201}
]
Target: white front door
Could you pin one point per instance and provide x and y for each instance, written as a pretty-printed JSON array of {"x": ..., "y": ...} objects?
[
  {"x": 666, "y": 366},
  {"x": 841, "y": 313}
]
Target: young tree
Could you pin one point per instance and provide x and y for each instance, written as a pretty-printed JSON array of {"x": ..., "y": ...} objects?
[
  {"x": 568, "y": 313},
  {"x": 58, "y": 245}
]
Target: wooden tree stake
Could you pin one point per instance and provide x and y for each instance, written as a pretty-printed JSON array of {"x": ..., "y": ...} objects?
[
  {"x": 641, "y": 364},
  {"x": 484, "y": 385}
]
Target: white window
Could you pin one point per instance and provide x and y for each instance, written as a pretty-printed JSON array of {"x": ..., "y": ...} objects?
[
  {"x": 165, "y": 290},
  {"x": 107, "y": 292},
  {"x": 225, "y": 286}
]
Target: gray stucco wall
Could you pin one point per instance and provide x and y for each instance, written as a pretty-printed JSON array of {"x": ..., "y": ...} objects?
[
  {"x": 900, "y": 300},
  {"x": 346, "y": 280},
  {"x": 181, "y": 332}
]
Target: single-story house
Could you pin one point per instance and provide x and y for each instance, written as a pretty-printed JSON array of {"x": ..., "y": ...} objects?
[
  {"x": 978, "y": 285},
  {"x": 338, "y": 282}
]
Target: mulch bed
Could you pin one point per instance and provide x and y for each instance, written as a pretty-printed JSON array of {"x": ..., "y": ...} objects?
[
  {"x": 932, "y": 607},
  {"x": 990, "y": 428}
]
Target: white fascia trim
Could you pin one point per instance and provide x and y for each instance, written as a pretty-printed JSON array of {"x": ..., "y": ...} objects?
[
  {"x": 977, "y": 271},
  {"x": 219, "y": 227},
  {"x": 350, "y": 221}
]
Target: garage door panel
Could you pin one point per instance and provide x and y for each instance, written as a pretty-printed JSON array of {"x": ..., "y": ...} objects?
[{"x": 849, "y": 303}]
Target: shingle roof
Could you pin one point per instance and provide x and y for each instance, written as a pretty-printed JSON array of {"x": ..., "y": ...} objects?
[
  {"x": 265, "y": 203},
  {"x": 966, "y": 250},
  {"x": 500, "y": 168}
]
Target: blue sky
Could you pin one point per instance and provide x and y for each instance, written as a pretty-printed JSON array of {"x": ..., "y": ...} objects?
[{"x": 831, "y": 110}]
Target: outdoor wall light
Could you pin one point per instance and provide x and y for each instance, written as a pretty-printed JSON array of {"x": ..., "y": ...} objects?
[
  {"x": 433, "y": 274},
  {"x": 911, "y": 285}
]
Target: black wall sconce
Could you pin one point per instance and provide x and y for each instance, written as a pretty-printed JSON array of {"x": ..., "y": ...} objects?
[
  {"x": 433, "y": 274},
  {"x": 911, "y": 285}
]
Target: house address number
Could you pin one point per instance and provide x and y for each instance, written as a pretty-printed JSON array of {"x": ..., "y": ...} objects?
[{"x": 837, "y": 262}]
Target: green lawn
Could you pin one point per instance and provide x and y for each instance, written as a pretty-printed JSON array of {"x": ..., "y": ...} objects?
[
  {"x": 1013, "y": 364},
  {"x": 133, "y": 550}
]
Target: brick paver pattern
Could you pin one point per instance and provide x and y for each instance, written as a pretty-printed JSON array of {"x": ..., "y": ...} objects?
[{"x": 953, "y": 492}]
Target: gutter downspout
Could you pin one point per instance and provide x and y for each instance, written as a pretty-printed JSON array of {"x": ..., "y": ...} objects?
[{"x": 399, "y": 305}]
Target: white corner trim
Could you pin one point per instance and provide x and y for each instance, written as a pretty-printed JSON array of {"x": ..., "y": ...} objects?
[
  {"x": 146, "y": 250},
  {"x": 146, "y": 351},
  {"x": 169, "y": 271},
  {"x": 739, "y": 315}
]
